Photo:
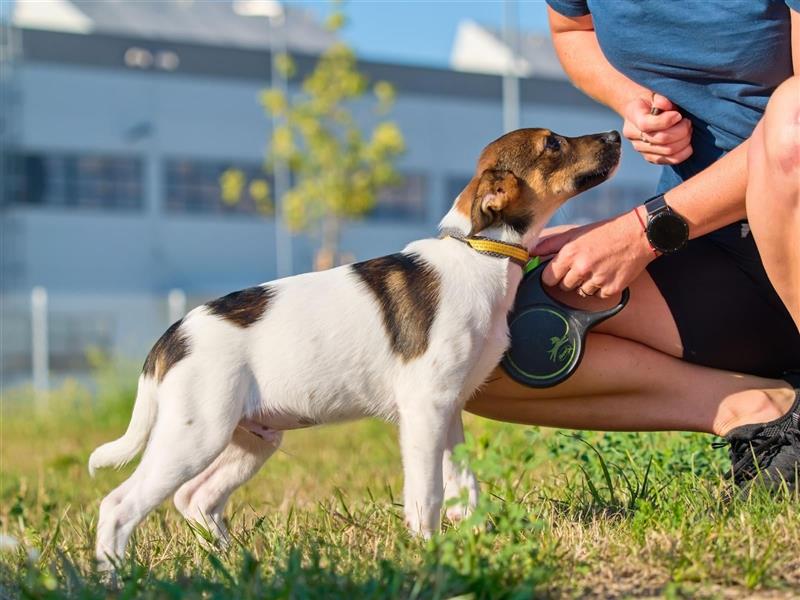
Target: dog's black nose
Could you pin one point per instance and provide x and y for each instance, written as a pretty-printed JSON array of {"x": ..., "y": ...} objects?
[{"x": 610, "y": 137}]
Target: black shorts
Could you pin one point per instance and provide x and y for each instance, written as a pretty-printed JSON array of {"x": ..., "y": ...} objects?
[{"x": 727, "y": 312}]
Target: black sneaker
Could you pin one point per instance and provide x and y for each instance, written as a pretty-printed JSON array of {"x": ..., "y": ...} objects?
[{"x": 769, "y": 452}]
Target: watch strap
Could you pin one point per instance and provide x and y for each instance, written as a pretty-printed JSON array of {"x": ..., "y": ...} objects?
[
  {"x": 644, "y": 229},
  {"x": 656, "y": 204},
  {"x": 657, "y": 208}
]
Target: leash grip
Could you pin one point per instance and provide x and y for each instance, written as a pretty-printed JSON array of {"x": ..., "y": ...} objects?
[
  {"x": 547, "y": 336},
  {"x": 593, "y": 318}
]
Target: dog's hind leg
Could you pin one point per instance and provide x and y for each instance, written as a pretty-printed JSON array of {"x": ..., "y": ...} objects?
[
  {"x": 188, "y": 435},
  {"x": 457, "y": 478},
  {"x": 202, "y": 500}
]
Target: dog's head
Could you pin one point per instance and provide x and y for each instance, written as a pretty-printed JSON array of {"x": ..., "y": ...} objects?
[{"x": 524, "y": 176}]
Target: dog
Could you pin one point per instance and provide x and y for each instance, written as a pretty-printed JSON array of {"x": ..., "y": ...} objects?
[{"x": 407, "y": 337}]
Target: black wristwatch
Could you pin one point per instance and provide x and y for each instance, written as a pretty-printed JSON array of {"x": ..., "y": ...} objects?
[{"x": 666, "y": 230}]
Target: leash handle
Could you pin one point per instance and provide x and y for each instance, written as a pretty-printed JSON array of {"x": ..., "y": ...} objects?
[
  {"x": 586, "y": 318},
  {"x": 590, "y": 319},
  {"x": 547, "y": 336}
]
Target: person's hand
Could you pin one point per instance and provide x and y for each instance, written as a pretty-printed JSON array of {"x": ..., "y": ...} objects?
[
  {"x": 662, "y": 139},
  {"x": 598, "y": 259},
  {"x": 552, "y": 230}
]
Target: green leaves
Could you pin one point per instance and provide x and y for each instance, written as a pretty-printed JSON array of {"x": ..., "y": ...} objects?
[{"x": 338, "y": 169}]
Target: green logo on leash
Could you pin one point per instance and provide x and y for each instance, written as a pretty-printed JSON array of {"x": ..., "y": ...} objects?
[{"x": 560, "y": 348}]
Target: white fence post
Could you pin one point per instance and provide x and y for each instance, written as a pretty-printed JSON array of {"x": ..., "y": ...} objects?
[
  {"x": 40, "y": 352},
  {"x": 176, "y": 305}
]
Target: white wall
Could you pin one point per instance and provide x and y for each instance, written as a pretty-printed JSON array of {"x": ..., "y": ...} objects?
[{"x": 96, "y": 255}]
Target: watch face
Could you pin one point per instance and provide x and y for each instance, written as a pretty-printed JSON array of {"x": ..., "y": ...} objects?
[{"x": 667, "y": 232}]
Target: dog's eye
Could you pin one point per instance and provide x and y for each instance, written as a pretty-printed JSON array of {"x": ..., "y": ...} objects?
[{"x": 552, "y": 143}]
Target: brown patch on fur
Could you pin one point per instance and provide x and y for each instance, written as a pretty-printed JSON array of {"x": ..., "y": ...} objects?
[
  {"x": 407, "y": 289},
  {"x": 467, "y": 197},
  {"x": 245, "y": 307},
  {"x": 497, "y": 198},
  {"x": 170, "y": 348}
]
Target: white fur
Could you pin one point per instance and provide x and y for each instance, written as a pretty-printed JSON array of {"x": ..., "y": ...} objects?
[{"x": 320, "y": 354}]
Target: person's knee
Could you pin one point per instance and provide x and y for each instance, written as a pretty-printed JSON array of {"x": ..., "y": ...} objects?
[{"x": 781, "y": 129}]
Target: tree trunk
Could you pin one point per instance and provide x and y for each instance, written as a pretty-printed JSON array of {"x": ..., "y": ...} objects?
[{"x": 328, "y": 255}]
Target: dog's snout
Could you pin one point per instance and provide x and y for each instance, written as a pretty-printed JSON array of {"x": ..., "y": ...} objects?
[{"x": 611, "y": 137}]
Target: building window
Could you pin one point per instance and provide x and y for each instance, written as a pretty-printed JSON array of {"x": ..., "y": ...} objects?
[
  {"x": 453, "y": 186},
  {"x": 404, "y": 201},
  {"x": 79, "y": 181},
  {"x": 203, "y": 187}
]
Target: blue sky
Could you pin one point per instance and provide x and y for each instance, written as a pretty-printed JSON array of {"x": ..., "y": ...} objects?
[{"x": 417, "y": 31}]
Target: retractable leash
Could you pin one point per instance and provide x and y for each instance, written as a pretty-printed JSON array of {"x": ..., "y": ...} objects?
[{"x": 547, "y": 337}]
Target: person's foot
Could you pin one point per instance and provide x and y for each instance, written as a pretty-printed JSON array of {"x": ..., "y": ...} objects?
[{"x": 768, "y": 453}]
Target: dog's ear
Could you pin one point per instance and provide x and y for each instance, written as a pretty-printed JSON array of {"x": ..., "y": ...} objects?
[{"x": 495, "y": 191}]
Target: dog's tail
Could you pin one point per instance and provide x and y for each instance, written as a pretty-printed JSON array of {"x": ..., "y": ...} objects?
[{"x": 121, "y": 451}]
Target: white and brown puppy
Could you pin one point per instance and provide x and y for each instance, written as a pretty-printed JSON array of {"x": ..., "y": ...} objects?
[{"x": 406, "y": 337}]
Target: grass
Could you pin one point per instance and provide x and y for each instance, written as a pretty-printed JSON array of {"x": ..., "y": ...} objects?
[{"x": 561, "y": 515}]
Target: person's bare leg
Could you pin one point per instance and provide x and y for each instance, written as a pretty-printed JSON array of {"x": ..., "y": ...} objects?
[
  {"x": 773, "y": 192},
  {"x": 631, "y": 379}
]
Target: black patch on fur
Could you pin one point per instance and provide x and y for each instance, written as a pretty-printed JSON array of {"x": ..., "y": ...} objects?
[
  {"x": 245, "y": 307},
  {"x": 170, "y": 348},
  {"x": 407, "y": 289}
]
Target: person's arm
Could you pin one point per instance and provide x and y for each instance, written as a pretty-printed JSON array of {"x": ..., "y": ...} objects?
[
  {"x": 795, "y": 20},
  {"x": 584, "y": 63},
  {"x": 610, "y": 254},
  {"x": 716, "y": 197},
  {"x": 660, "y": 139},
  {"x": 607, "y": 256}
]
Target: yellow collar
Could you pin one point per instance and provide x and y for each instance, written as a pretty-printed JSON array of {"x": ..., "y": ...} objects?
[{"x": 515, "y": 252}]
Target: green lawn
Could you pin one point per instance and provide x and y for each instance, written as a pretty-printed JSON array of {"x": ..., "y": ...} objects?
[{"x": 615, "y": 515}]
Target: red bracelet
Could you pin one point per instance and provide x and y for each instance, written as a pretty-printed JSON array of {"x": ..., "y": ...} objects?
[{"x": 644, "y": 228}]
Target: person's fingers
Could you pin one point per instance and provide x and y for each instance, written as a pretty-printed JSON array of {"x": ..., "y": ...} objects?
[
  {"x": 658, "y": 159},
  {"x": 648, "y": 123},
  {"x": 662, "y": 103},
  {"x": 630, "y": 131},
  {"x": 588, "y": 288},
  {"x": 661, "y": 149},
  {"x": 610, "y": 289},
  {"x": 571, "y": 280},
  {"x": 554, "y": 272},
  {"x": 548, "y": 231},
  {"x": 680, "y": 131},
  {"x": 552, "y": 243},
  {"x": 607, "y": 292}
]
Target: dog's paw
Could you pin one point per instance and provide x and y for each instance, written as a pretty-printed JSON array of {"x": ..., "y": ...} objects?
[
  {"x": 416, "y": 527},
  {"x": 458, "y": 512},
  {"x": 461, "y": 496}
]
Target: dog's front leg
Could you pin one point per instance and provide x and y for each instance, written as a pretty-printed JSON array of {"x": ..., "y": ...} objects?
[
  {"x": 423, "y": 431},
  {"x": 457, "y": 478}
]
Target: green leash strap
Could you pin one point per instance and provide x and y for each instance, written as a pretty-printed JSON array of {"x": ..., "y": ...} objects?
[{"x": 531, "y": 264}]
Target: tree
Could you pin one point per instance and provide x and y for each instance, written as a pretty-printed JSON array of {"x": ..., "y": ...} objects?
[{"x": 338, "y": 171}]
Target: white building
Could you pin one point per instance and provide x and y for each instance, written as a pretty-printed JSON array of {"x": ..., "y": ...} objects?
[
  {"x": 119, "y": 117},
  {"x": 480, "y": 49}
]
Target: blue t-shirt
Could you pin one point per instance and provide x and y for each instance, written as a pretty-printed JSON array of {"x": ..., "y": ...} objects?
[{"x": 717, "y": 60}]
